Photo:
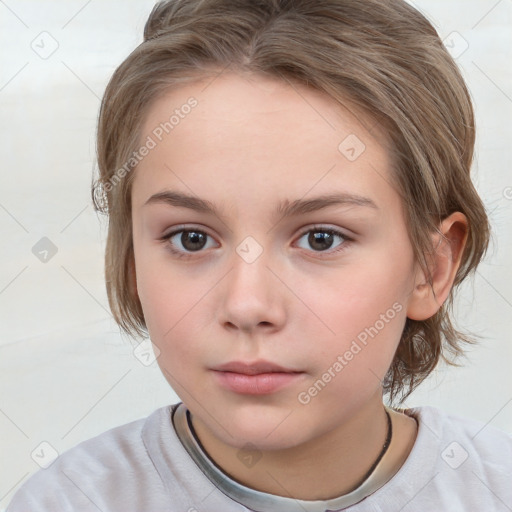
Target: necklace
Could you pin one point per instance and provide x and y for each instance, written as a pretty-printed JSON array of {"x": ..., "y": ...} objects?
[
  {"x": 387, "y": 442},
  {"x": 381, "y": 471}
]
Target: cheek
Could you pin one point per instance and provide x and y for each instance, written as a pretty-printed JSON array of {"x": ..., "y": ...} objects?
[
  {"x": 357, "y": 298},
  {"x": 365, "y": 309},
  {"x": 164, "y": 298},
  {"x": 174, "y": 303},
  {"x": 351, "y": 365},
  {"x": 168, "y": 309}
]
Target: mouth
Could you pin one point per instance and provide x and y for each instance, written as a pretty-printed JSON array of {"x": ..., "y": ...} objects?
[{"x": 255, "y": 378}]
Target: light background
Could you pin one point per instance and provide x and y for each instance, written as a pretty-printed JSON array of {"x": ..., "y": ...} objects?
[{"x": 66, "y": 373}]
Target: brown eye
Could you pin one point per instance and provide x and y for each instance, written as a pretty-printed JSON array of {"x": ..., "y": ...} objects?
[
  {"x": 193, "y": 240},
  {"x": 320, "y": 241},
  {"x": 323, "y": 239},
  {"x": 187, "y": 241}
]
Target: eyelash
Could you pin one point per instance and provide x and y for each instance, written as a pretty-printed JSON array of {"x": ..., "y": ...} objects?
[{"x": 315, "y": 229}]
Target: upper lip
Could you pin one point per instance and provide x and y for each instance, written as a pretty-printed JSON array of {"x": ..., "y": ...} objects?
[{"x": 253, "y": 368}]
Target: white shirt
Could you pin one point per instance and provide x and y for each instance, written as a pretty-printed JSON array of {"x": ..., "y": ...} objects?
[{"x": 456, "y": 464}]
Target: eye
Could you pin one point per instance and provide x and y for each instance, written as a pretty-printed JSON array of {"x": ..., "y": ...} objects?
[
  {"x": 320, "y": 239},
  {"x": 187, "y": 241},
  {"x": 184, "y": 242}
]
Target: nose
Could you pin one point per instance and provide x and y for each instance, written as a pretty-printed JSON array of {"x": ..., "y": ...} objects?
[{"x": 252, "y": 298}]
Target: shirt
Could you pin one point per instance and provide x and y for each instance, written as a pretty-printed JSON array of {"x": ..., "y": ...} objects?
[{"x": 456, "y": 464}]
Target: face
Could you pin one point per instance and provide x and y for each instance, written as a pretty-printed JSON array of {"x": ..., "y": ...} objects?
[{"x": 277, "y": 291}]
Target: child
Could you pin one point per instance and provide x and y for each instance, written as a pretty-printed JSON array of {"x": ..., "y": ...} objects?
[{"x": 290, "y": 210}]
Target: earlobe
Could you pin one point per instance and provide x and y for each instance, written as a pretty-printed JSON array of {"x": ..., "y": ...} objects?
[{"x": 427, "y": 298}]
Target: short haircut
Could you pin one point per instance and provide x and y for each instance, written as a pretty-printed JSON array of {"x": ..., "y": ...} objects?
[{"x": 380, "y": 56}]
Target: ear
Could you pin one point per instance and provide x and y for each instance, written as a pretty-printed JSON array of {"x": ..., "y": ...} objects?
[{"x": 426, "y": 300}]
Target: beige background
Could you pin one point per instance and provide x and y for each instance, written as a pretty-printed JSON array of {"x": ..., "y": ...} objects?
[{"x": 66, "y": 374}]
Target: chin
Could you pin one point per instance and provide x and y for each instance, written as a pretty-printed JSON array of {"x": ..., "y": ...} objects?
[
  {"x": 259, "y": 439},
  {"x": 264, "y": 427}
]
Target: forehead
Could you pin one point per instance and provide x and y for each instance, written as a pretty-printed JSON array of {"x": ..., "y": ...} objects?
[
  {"x": 250, "y": 138},
  {"x": 230, "y": 99}
]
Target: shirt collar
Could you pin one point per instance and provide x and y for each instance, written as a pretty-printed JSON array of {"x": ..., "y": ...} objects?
[{"x": 263, "y": 502}]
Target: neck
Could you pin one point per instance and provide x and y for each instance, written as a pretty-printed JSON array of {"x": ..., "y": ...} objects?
[{"x": 345, "y": 454}]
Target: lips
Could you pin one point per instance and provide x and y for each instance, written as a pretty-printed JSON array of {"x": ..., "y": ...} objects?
[
  {"x": 254, "y": 368},
  {"x": 254, "y": 378}
]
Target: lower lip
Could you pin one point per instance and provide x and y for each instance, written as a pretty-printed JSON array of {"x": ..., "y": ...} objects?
[{"x": 260, "y": 384}]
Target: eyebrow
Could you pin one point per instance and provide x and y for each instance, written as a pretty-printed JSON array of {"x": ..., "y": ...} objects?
[{"x": 284, "y": 209}]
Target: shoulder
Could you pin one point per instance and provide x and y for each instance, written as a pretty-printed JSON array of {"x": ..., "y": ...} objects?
[
  {"x": 467, "y": 437},
  {"x": 90, "y": 475},
  {"x": 455, "y": 464},
  {"x": 469, "y": 462}
]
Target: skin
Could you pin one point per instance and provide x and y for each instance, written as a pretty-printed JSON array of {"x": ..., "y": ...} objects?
[{"x": 250, "y": 143}]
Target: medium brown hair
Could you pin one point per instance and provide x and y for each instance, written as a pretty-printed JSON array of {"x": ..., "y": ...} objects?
[{"x": 383, "y": 57}]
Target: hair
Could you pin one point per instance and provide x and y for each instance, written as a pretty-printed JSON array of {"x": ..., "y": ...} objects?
[{"x": 382, "y": 57}]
